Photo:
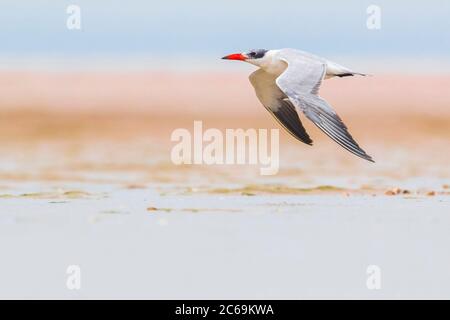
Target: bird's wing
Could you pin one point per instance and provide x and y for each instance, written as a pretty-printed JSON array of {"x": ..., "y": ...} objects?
[
  {"x": 276, "y": 103},
  {"x": 300, "y": 82}
]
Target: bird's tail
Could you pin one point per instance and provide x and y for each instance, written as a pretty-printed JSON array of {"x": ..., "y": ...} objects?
[
  {"x": 351, "y": 73},
  {"x": 336, "y": 70}
]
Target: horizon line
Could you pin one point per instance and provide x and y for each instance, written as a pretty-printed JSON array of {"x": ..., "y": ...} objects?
[{"x": 186, "y": 63}]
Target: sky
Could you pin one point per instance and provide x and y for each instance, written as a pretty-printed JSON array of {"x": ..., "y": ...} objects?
[{"x": 163, "y": 30}]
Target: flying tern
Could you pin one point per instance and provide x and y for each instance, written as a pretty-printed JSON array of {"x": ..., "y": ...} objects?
[{"x": 288, "y": 81}]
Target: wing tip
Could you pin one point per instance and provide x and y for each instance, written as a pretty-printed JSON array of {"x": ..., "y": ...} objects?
[
  {"x": 309, "y": 142},
  {"x": 362, "y": 154},
  {"x": 359, "y": 153},
  {"x": 368, "y": 158}
]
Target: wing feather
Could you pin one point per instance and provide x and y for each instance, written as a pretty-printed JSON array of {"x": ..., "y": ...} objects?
[
  {"x": 279, "y": 107},
  {"x": 300, "y": 82},
  {"x": 288, "y": 117}
]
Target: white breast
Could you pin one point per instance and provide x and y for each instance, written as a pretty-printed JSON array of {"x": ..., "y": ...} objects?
[{"x": 273, "y": 64}]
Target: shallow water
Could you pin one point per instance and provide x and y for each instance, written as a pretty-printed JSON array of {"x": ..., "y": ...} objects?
[{"x": 208, "y": 245}]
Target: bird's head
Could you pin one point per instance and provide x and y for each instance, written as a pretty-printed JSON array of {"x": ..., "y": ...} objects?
[{"x": 255, "y": 56}]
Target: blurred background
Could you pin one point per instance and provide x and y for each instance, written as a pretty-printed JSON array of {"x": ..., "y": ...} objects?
[
  {"x": 85, "y": 123},
  {"x": 133, "y": 73}
]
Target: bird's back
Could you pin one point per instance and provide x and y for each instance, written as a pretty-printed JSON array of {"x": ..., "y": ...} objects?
[{"x": 332, "y": 68}]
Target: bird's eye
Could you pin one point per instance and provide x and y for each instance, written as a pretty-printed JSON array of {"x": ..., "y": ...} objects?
[{"x": 252, "y": 54}]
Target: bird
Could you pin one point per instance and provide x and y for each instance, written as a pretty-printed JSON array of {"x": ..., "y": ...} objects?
[{"x": 288, "y": 81}]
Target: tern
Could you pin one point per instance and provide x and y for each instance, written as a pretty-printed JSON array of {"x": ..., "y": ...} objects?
[{"x": 288, "y": 81}]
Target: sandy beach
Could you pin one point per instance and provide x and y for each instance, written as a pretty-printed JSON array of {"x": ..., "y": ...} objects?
[{"x": 86, "y": 178}]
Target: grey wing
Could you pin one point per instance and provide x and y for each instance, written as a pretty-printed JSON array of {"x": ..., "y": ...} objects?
[
  {"x": 275, "y": 101},
  {"x": 300, "y": 82}
]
